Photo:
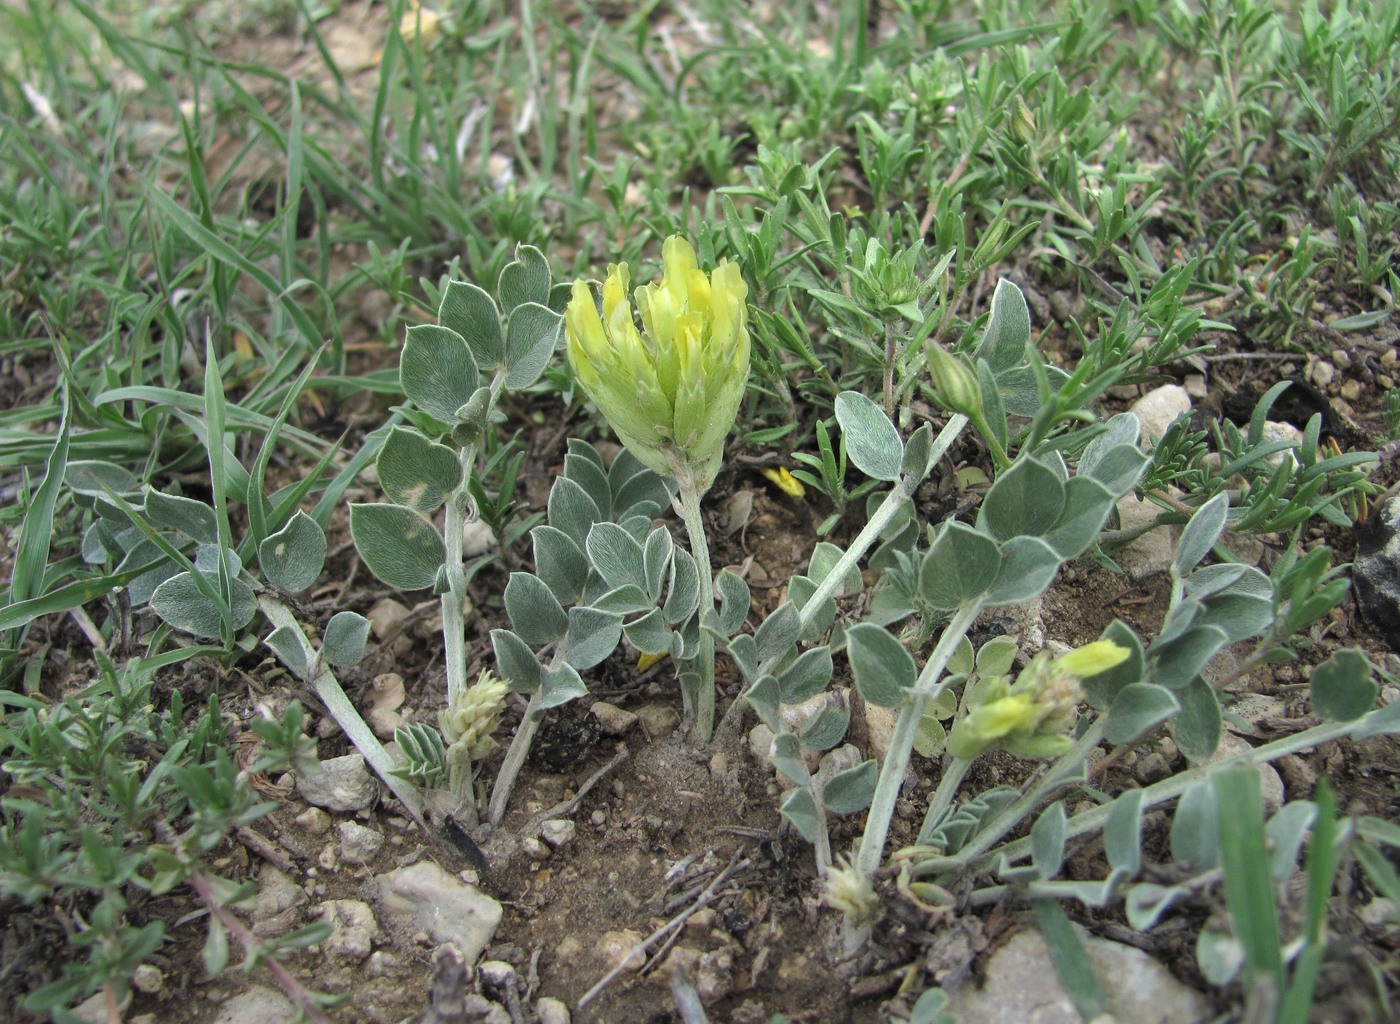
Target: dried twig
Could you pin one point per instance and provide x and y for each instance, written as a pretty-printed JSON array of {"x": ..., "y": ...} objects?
[{"x": 736, "y": 867}]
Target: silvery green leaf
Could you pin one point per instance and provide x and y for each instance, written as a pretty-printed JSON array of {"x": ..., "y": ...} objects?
[
  {"x": 632, "y": 484},
  {"x": 592, "y": 635},
  {"x": 617, "y": 556},
  {"x": 825, "y": 556},
  {"x": 535, "y": 613},
  {"x": 930, "y": 737},
  {"x": 1122, "y": 833},
  {"x": 1212, "y": 579},
  {"x": 524, "y": 279},
  {"x": 436, "y": 371},
  {"x": 1028, "y": 564},
  {"x": 344, "y": 642},
  {"x": 850, "y": 791},
  {"x": 805, "y": 677},
  {"x": 1197, "y": 727},
  {"x": 1100, "y": 689},
  {"x": 592, "y": 478},
  {"x": 624, "y": 600},
  {"x": 786, "y": 755},
  {"x": 801, "y": 810},
  {"x": 1025, "y": 500},
  {"x": 917, "y": 453},
  {"x": 1178, "y": 621},
  {"x": 1200, "y": 533},
  {"x": 637, "y": 524},
  {"x": 286, "y": 643},
  {"x": 1342, "y": 688},
  {"x": 1219, "y": 956},
  {"x": 883, "y": 669},
  {"x": 400, "y": 547},
  {"x": 1240, "y": 616},
  {"x": 1118, "y": 469},
  {"x": 206, "y": 560},
  {"x": 531, "y": 338},
  {"x": 1008, "y": 333},
  {"x": 181, "y": 604},
  {"x": 961, "y": 566},
  {"x": 585, "y": 450},
  {"x": 1146, "y": 902},
  {"x": 685, "y": 643},
  {"x": 1122, "y": 429},
  {"x": 649, "y": 634},
  {"x": 99, "y": 543},
  {"x": 560, "y": 685},
  {"x": 1286, "y": 831},
  {"x": 471, "y": 313},
  {"x": 1137, "y": 709},
  {"x": 889, "y": 604},
  {"x": 683, "y": 591},
  {"x": 928, "y": 1008},
  {"x": 1048, "y": 840},
  {"x": 192, "y": 518},
  {"x": 777, "y": 633},
  {"x": 656, "y": 559},
  {"x": 996, "y": 656},
  {"x": 1087, "y": 505},
  {"x": 1175, "y": 664},
  {"x": 572, "y": 510},
  {"x": 745, "y": 654},
  {"x": 763, "y": 697},
  {"x": 516, "y": 664},
  {"x": 144, "y": 552},
  {"x": 415, "y": 472},
  {"x": 827, "y": 727},
  {"x": 559, "y": 562},
  {"x": 872, "y": 442},
  {"x": 964, "y": 661},
  {"x": 733, "y": 601},
  {"x": 291, "y": 559},
  {"x": 801, "y": 590},
  {"x": 1195, "y": 836},
  {"x": 215, "y": 950},
  {"x": 93, "y": 478},
  {"x": 1020, "y": 390}
]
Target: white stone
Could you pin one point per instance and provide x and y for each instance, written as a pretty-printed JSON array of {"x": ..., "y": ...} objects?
[
  {"x": 279, "y": 900},
  {"x": 614, "y": 720},
  {"x": 353, "y": 928},
  {"x": 339, "y": 784},
  {"x": 557, "y": 831},
  {"x": 477, "y": 539},
  {"x": 1270, "y": 782},
  {"x": 613, "y": 946},
  {"x": 1156, "y": 409},
  {"x": 148, "y": 980},
  {"x": 1022, "y": 985},
  {"x": 1152, "y": 552},
  {"x": 257, "y": 1005},
  {"x": 358, "y": 844},
  {"x": 386, "y": 616},
  {"x": 424, "y": 897},
  {"x": 551, "y": 1011}
]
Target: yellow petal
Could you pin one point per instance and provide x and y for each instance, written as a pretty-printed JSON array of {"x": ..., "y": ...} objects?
[{"x": 785, "y": 482}]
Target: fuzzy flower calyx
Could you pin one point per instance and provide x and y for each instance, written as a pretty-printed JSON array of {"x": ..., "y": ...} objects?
[
  {"x": 670, "y": 390},
  {"x": 1033, "y": 716}
]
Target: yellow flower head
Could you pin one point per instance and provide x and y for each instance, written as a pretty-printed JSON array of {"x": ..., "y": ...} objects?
[{"x": 670, "y": 390}]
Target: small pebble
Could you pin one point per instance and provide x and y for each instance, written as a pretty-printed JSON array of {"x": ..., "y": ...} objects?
[
  {"x": 534, "y": 848},
  {"x": 557, "y": 831},
  {"x": 314, "y": 820},
  {"x": 148, "y": 979},
  {"x": 599, "y": 817},
  {"x": 551, "y": 1011}
]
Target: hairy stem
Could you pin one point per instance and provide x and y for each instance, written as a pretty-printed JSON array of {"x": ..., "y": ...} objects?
[
  {"x": 929, "y": 685},
  {"x": 688, "y": 505},
  {"x": 515, "y": 759}
]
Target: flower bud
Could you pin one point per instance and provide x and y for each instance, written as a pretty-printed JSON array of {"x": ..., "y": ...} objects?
[
  {"x": 672, "y": 389},
  {"x": 467, "y": 725},
  {"x": 954, "y": 382}
]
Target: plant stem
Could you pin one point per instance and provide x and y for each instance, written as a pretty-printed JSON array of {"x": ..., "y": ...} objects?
[
  {"x": 454, "y": 598},
  {"x": 329, "y": 690},
  {"x": 688, "y": 505},
  {"x": 928, "y": 687},
  {"x": 515, "y": 759},
  {"x": 850, "y": 558},
  {"x": 943, "y": 795}
]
